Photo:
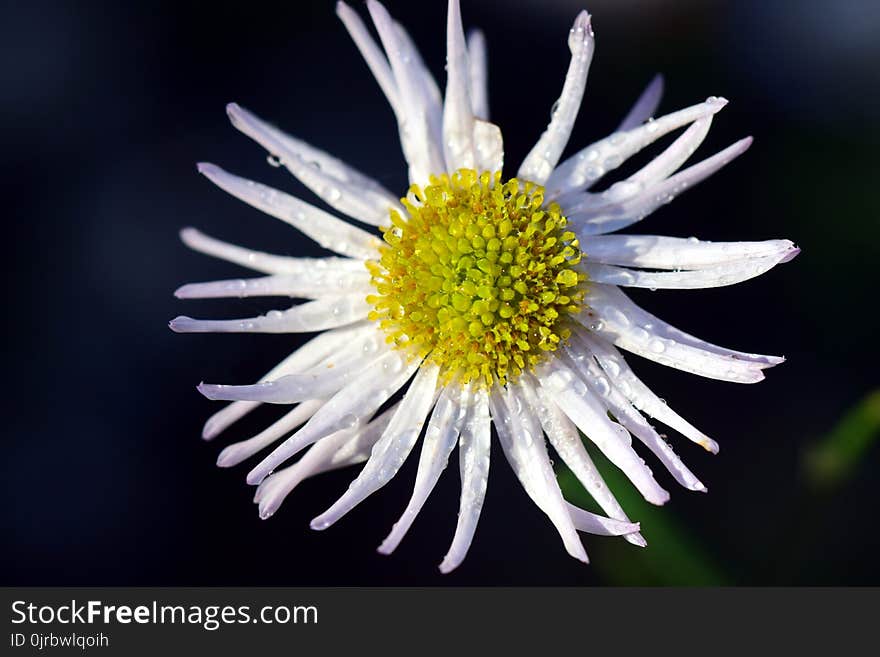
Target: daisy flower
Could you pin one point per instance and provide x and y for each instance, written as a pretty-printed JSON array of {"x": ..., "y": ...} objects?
[{"x": 484, "y": 300}]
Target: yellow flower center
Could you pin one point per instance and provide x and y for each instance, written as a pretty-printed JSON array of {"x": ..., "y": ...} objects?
[{"x": 479, "y": 278}]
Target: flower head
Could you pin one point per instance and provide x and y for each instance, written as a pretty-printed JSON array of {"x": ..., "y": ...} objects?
[{"x": 486, "y": 300}]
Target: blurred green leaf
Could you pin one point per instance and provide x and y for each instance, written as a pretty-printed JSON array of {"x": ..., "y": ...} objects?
[
  {"x": 672, "y": 558},
  {"x": 835, "y": 457}
]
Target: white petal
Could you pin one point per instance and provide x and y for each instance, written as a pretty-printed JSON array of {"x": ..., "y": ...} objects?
[
  {"x": 592, "y": 523},
  {"x": 566, "y": 440},
  {"x": 676, "y": 154},
  {"x": 645, "y": 106},
  {"x": 304, "y": 318},
  {"x": 729, "y": 273},
  {"x": 582, "y": 359},
  {"x": 657, "y": 252},
  {"x": 620, "y": 214},
  {"x": 351, "y": 406},
  {"x": 579, "y": 404},
  {"x": 622, "y": 322},
  {"x": 340, "y": 186},
  {"x": 237, "y": 452},
  {"x": 458, "y": 117},
  {"x": 588, "y": 165},
  {"x": 523, "y": 445},
  {"x": 308, "y": 355},
  {"x": 420, "y": 146},
  {"x": 489, "y": 145},
  {"x": 543, "y": 157},
  {"x": 479, "y": 74},
  {"x": 320, "y": 382},
  {"x": 321, "y": 457},
  {"x": 392, "y": 448},
  {"x": 264, "y": 262},
  {"x": 649, "y": 175},
  {"x": 440, "y": 438},
  {"x": 374, "y": 58},
  {"x": 310, "y": 284},
  {"x": 324, "y": 228},
  {"x": 474, "y": 446},
  {"x": 639, "y": 394}
]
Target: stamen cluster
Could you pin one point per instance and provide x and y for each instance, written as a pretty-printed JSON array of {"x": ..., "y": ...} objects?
[{"x": 479, "y": 277}]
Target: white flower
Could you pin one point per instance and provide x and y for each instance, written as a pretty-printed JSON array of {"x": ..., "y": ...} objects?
[{"x": 500, "y": 302}]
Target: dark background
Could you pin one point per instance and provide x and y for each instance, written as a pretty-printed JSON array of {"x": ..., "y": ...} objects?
[{"x": 106, "y": 109}]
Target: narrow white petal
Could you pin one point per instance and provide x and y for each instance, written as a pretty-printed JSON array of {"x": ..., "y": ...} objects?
[
  {"x": 431, "y": 95},
  {"x": 320, "y": 382},
  {"x": 237, "y": 452},
  {"x": 676, "y": 154},
  {"x": 649, "y": 175},
  {"x": 729, "y": 273},
  {"x": 592, "y": 523},
  {"x": 474, "y": 449},
  {"x": 337, "y": 184},
  {"x": 567, "y": 442},
  {"x": 591, "y": 417},
  {"x": 645, "y": 106},
  {"x": 657, "y": 252},
  {"x": 324, "y": 228},
  {"x": 608, "y": 298},
  {"x": 341, "y": 448},
  {"x": 440, "y": 438},
  {"x": 420, "y": 146},
  {"x": 371, "y": 53},
  {"x": 613, "y": 316},
  {"x": 392, "y": 448},
  {"x": 639, "y": 394},
  {"x": 351, "y": 406},
  {"x": 581, "y": 358},
  {"x": 523, "y": 444},
  {"x": 308, "y": 355},
  {"x": 543, "y": 157},
  {"x": 312, "y": 284},
  {"x": 458, "y": 116},
  {"x": 590, "y": 164},
  {"x": 620, "y": 214},
  {"x": 489, "y": 145},
  {"x": 311, "y": 316},
  {"x": 479, "y": 74},
  {"x": 267, "y": 263}
]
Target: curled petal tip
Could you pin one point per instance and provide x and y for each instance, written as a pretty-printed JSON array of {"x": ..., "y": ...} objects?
[
  {"x": 208, "y": 169},
  {"x": 583, "y": 19},
  {"x": 179, "y": 323},
  {"x": 226, "y": 459},
  {"x": 255, "y": 478},
  {"x": 319, "y": 524},
  {"x": 660, "y": 498},
  {"x": 791, "y": 254},
  {"x": 211, "y": 430},
  {"x": 209, "y": 390}
]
